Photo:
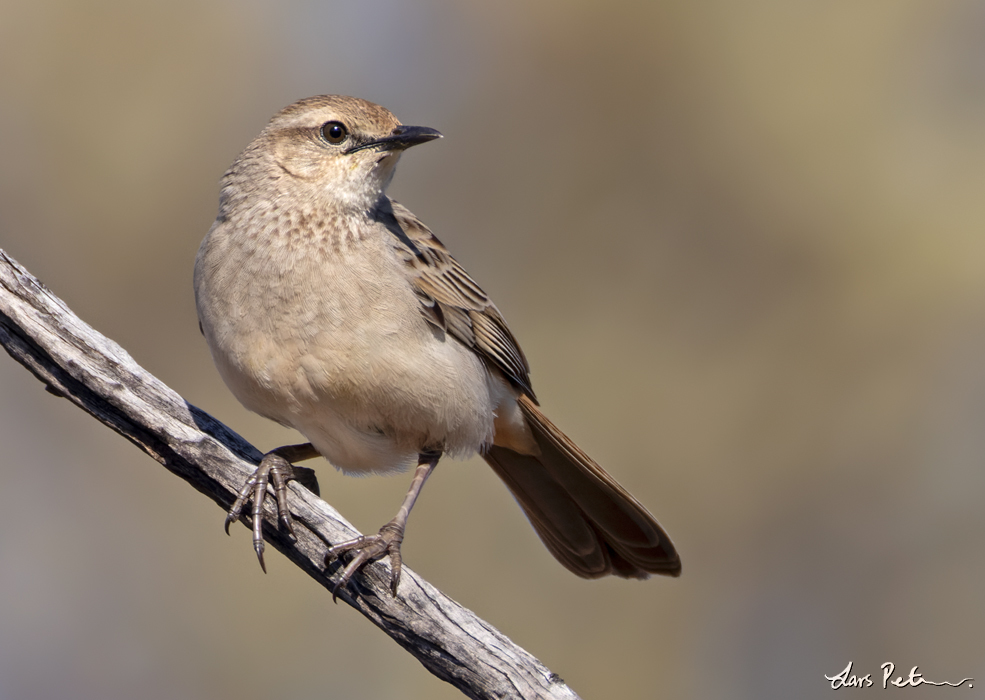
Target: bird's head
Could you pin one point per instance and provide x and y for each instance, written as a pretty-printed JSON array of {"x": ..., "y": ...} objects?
[{"x": 340, "y": 151}]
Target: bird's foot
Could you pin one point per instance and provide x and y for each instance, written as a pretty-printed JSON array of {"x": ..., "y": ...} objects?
[
  {"x": 369, "y": 548},
  {"x": 276, "y": 469},
  {"x": 372, "y": 547}
]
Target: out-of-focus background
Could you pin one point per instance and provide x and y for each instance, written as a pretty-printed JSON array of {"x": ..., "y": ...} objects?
[{"x": 742, "y": 244}]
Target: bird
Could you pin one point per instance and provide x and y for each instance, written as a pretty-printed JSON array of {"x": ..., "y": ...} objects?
[{"x": 330, "y": 308}]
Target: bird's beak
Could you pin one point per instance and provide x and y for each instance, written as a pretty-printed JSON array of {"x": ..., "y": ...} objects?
[{"x": 400, "y": 138}]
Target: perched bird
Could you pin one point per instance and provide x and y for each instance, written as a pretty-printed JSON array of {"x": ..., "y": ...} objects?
[{"x": 331, "y": 309}]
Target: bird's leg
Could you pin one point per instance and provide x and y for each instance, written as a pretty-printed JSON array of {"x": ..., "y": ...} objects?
[
  {"x": 371, "y": 547},
  {"x": 276, "y": 466}
]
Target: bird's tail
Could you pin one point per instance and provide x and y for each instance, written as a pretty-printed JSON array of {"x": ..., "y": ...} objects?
[{"x": 589, "y": 522}]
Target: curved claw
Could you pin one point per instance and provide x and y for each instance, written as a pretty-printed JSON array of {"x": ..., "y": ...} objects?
[
  {"x": 358, "y": 562},
  {"x": 273, "y": 468},
  {"x": 390, "y": 536},
  {"x": 370, "y": 548},
  {"x": 258, "y": 547},
  {"x": 241, "y": 498}
]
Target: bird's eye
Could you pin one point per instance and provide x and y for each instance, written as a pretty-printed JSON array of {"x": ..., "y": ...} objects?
[{"x": 334, "y": 132}]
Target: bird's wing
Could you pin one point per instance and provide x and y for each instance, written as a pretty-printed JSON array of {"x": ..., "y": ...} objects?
[{"x": 450, "y": 298}]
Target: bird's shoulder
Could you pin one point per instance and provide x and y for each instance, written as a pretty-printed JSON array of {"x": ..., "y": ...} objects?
[{"x": 449, "y": 298}]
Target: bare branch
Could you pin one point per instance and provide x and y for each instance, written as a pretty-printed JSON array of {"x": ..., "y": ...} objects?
[{"x": 74, "y": 361}]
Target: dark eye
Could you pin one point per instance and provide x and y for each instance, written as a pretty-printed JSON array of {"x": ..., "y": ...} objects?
[{"x": 334, "y": 132}]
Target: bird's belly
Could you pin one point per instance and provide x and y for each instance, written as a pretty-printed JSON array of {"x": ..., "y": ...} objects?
[{"x": 358, "y": 371}]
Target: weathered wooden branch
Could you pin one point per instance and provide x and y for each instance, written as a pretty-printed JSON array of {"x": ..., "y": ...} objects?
[{"x": 74, "y": 361}]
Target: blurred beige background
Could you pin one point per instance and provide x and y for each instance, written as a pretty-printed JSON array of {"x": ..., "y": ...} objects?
[{"x": 741, "y": 243}]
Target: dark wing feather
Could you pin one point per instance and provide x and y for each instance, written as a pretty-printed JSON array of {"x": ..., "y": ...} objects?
[{"x": 450, "y": 299}]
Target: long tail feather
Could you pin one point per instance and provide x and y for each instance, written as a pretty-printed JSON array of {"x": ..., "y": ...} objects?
[{"x": 590, "y": 523}]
